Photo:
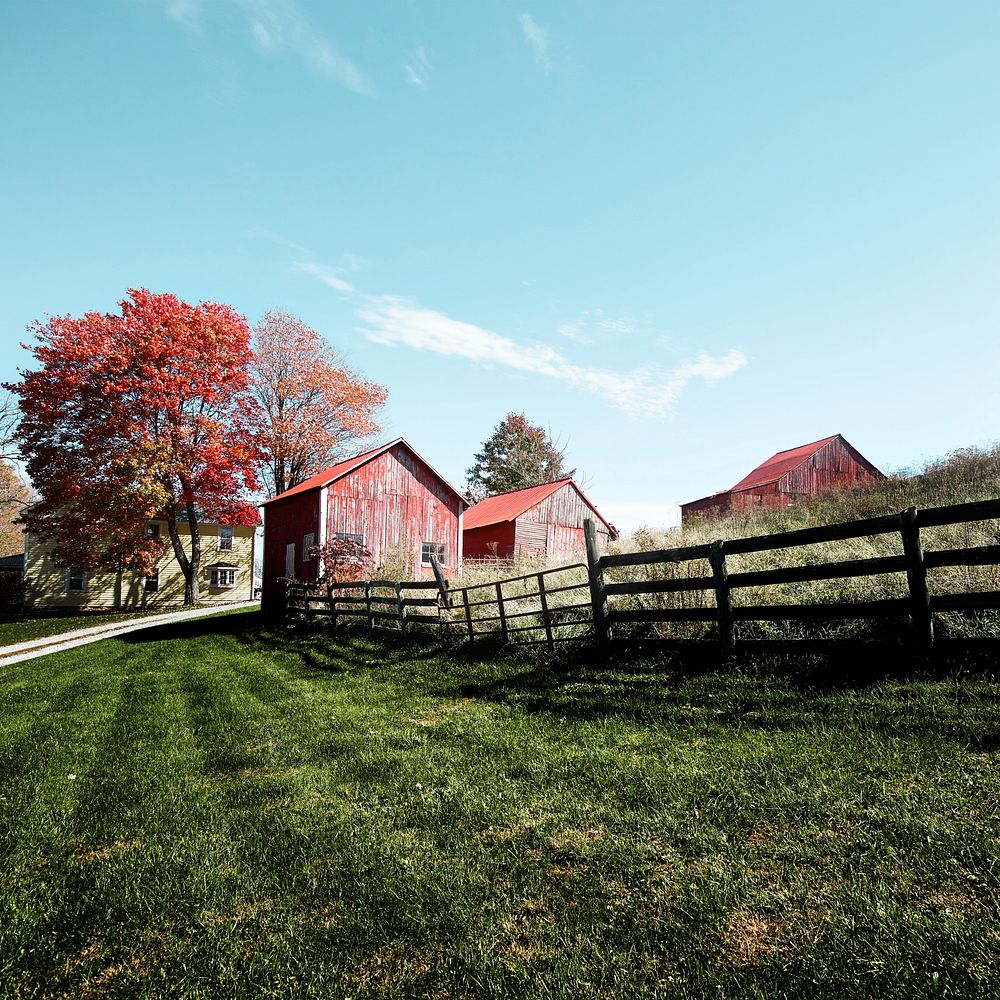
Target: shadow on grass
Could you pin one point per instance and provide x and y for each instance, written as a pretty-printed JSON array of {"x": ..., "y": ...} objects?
[
  {"x": 875, "y": 686},
  {"x": 236, "y": 624}
]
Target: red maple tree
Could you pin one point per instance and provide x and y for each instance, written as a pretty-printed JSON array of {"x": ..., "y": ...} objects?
[
  {"x": 133, "y": 416},
  {"x": 311, "y": 405}
]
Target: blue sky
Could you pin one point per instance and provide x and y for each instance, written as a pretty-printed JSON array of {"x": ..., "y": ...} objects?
[{"x": 680, "y": 236}]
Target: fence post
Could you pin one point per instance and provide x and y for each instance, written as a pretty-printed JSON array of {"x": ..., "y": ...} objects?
[
  {"x": 402, "y": 609},
  {"x": 441, "y": 581},
  {"x": 916, "y": 578},
  {"x": 503, "y": 614},
  {"x": 368, "y": 605},
  {"x": 332, "y": 601},
  {"x": 468, "y": 613},
  {"x": 717, "y": 560},
  {"x": 598, "y": 599},
  {"x": 545, "y": 610}
]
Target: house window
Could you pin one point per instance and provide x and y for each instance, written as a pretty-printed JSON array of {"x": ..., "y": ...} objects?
[
  {"x": 344, "y": 536},
  {"x": 152, "y": 530},
  {"x": 223, "y": 577},
  {"x": 428, "y": 549},
  {"x": 76, "y": 580},
  {"x": 152, "y": 582},
  {"x": 225, "y": 539},
  {"x": 308, "y": 541}
]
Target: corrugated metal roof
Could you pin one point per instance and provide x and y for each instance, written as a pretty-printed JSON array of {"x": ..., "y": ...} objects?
[
  {"x": 342, "y": 469},
  {"x": 510, "y": 506},
  {"x": 777, "y": 465}
]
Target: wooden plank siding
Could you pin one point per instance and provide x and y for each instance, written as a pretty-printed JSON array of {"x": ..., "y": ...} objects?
[
  {"x": 550, "y": 528},
  {"x": 389, "y": 496},
  {"x": 397, "y": 504},
  {"x": 832, "y": 464}
]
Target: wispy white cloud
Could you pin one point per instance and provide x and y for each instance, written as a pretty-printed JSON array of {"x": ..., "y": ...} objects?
[
  {"x": 332, "y": 277},
  {"x": 278, "y": 26},
  {"x": 417, "y": 67},
  {"x": 538, "y": 38},
  {"x": 574, "y": 332},
  {"x": 184, "y": 12},
  {"x": 645, "y": 392}
]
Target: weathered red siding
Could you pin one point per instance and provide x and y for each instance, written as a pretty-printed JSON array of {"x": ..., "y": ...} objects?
[
  {"x": 832, "y": 463},
  {"x": 562, "y": 516},
  {"x": 478, "y": 543},
  {"x": 550, "y": 528},
  {"x": 287, "y": 521},
  {"x": 396, "y": 503}
]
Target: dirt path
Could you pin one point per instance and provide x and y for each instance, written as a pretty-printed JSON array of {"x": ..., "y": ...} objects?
[{"x": 42, "y": 646}]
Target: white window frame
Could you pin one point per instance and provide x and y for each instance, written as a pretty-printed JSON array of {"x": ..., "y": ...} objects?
[
  {"x": 225, "y": 538},
  {"x": 440, "y": 549},
  {"x": 152, "y": 529},
  {"x": 154, "y": 579},
  {"x": 73, "y": 573},
  {"x": 222, "y": 577}
]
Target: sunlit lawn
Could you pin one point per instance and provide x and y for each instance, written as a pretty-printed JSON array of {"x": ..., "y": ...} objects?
[{"x": 218, "y": 809}]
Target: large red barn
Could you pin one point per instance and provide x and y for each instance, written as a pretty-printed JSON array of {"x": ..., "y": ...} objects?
[
  {"x": 828, "y": 464},
  {"x": 388, "y": 499},
  {"x": 545, "y": 521}
]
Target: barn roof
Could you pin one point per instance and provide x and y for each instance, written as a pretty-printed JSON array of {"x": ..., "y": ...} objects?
[
  {"x": 349, "y": 465},
  {"x": 510, "y": 506},
  {"x": 779, "y": 464}
]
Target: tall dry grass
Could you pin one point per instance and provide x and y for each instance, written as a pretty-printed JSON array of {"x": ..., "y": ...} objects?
[{"x": 967, "y": 475}]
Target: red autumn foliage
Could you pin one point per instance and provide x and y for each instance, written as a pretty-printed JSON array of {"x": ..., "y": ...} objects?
[
  {"x": 137, "y": 415},
  {"x": 311, "y": 406}
]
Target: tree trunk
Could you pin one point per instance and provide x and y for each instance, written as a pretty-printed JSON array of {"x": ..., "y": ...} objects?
[
  {"x": 189, "y": 566},
  {"x": 191, "y": 582}
]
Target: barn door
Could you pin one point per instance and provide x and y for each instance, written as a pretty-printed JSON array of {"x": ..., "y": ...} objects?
[{"x": 290, "y": 560}]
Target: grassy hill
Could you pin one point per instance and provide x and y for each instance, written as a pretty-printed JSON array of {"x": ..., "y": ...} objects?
[
  {"x": 965, "y": 476},
  {"x": 219, "y": 809}
]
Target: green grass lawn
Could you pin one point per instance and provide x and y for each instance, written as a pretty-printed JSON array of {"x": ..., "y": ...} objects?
[
  {"x": 219, "y": 809},
  {"x": 22, "y": 629}
]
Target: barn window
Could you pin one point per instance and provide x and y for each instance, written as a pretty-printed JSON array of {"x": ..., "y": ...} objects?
[
  {"x": 222, "y": 576},
  {"x": 308, "y": 541},
  {"x": 225, "y": 539},
  {"x": 346, "y": 536},
  {"x": 152, "y": 582},
  {"x": 428, "y": 549},
  {"x": 76, "y": 580}
]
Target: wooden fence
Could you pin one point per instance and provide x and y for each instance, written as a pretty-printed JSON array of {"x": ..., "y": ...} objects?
[
  {"x": 917, "y": 607},
  {"x": 553, "y": 605},
  {"x": 547, "y": 607}
]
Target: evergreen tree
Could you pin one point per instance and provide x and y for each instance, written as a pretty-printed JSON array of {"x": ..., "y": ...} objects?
[{"x": 516, "y": 455}]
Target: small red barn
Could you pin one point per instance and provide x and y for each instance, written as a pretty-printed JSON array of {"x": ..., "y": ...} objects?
[
  {"x": 832, "y": 463},
  {"x": 544, "y": 521},
  {"x": 388, "y": 499}
]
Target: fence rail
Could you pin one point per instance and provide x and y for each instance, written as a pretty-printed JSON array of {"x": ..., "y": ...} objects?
[{"x": 580, "y": 600}]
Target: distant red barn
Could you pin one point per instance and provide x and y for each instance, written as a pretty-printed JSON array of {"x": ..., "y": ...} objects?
[
  {"x": 545, "y": 520},
  {"x": 389, "y": 499},
  {"x": 832, "y": 463}
]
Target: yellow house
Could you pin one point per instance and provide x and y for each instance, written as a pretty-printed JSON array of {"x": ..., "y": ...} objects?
[{"x": 226, "y": 574}]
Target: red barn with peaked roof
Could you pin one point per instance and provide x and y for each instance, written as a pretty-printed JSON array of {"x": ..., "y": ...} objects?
[
  {"x": 544, "y": 521},
  {"x": 388, "y": 498},
  {"x": 829, "y": 464}
]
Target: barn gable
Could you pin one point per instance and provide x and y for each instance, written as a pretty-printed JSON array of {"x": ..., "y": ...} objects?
[
  {"x": 545, "y": 520},
  {"x": 388, "y": 497},
  {"x": 830, "y": 463}
]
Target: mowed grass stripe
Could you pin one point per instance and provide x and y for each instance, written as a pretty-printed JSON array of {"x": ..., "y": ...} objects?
[{"x": 258, "y": 813}]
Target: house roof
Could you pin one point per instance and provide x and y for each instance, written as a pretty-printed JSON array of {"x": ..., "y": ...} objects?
[
  {"x": 779, "y": 464},
  {"x": 349, "y": 465},
  {"x": 510, "y": 506}
]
